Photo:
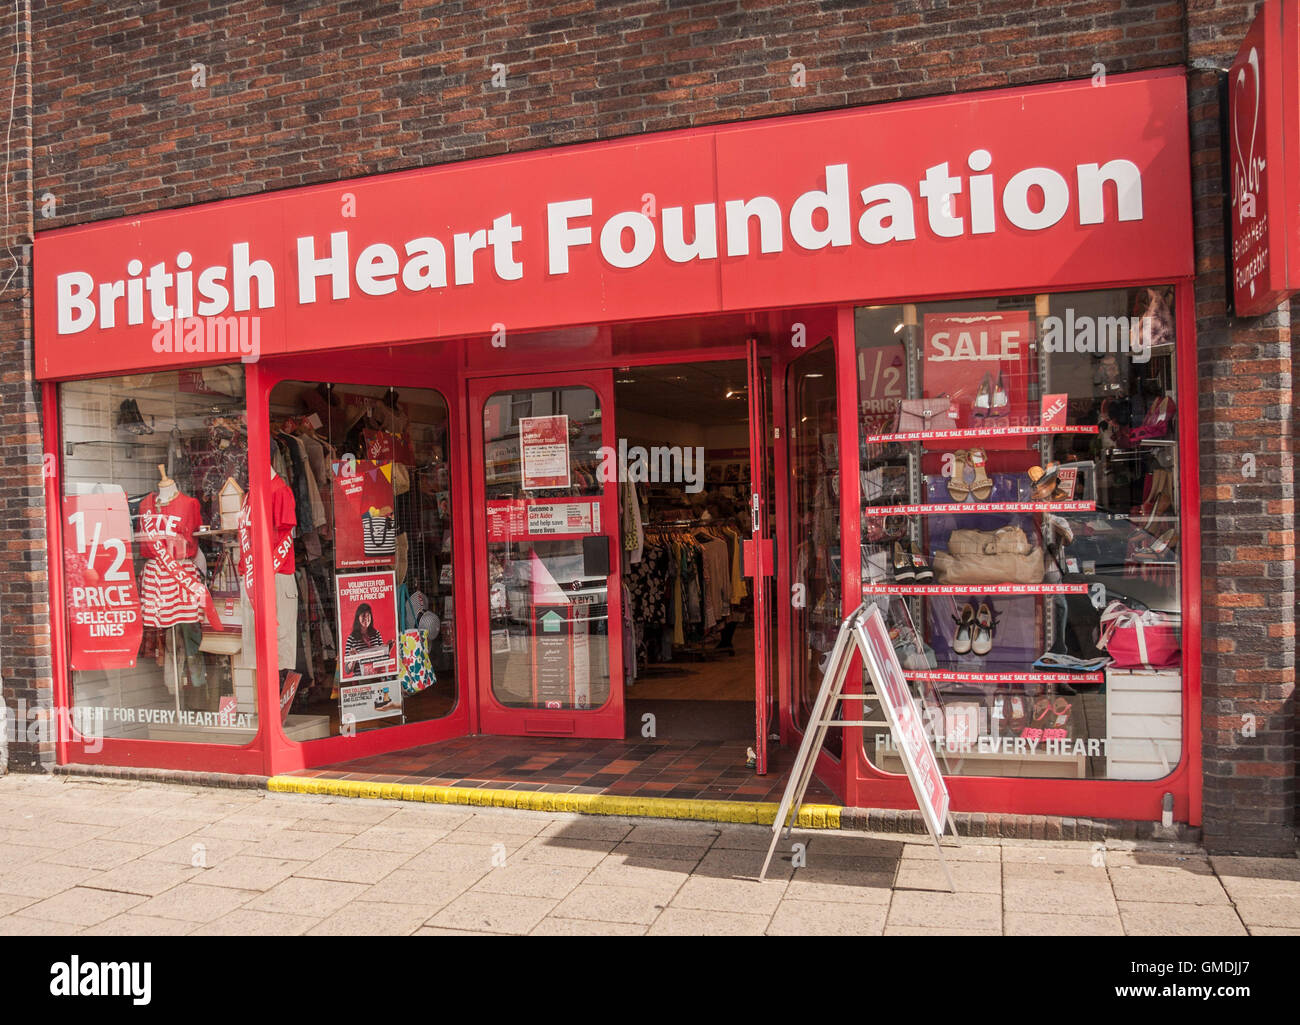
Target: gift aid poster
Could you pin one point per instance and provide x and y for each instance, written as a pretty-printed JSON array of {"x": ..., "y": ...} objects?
[
  {"x": 104, "y": 625},
  {"x": 961, "y": 348},
  {"x": 369, "y": 487}
]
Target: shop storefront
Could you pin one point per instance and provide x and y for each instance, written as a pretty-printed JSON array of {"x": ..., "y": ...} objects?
[{"x": 519, "y": 446}]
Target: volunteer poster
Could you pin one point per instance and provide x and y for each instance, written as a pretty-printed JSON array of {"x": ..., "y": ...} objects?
[
  {"x": 365, "y": 530},
  {"x": 367, "y": 604},
  {"x": 104, "y": 624},
  {"x": 544, "y": 452}
]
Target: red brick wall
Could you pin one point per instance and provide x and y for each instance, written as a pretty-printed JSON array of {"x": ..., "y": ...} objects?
[
  {"x": 24, "y": 613},
  {"x": 305, "y": 93},
  {"x": 1248, "y": 522},
  {"x": 344, "y": 89}
]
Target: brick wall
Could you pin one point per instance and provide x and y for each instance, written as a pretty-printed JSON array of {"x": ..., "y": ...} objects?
[
  {"x": 1248, "y": 522},
  {"x": 24, "y": 612},
  {"x": 299, "y": 93},
  {"x": 165, "y": 104}
]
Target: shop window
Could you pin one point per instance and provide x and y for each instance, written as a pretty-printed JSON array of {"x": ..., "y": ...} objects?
[
  {"x": 548, "y": 605},
  {"x": 361, "y": 506},
  {"x": 815, "y": 527},
  {"x": 1021, "y": 488},
  {"x": 159, "y": 643}
]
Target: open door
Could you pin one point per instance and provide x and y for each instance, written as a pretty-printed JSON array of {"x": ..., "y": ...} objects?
[
  {"x": 759, "y": 559},
  {"x": 546, "y": 571}
]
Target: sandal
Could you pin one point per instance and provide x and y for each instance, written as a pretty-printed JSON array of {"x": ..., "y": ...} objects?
[
  {"x": 958, "y": 489},
  {"x": 983, "y": 486},
  {"x": 924, "y": 574}
]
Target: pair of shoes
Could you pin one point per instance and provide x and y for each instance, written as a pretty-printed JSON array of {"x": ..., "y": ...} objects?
[
  {"x": 991, "y": 399},
  {"x": 1043, "y": 481},
  {"x": 1051, "y": 720},
  {"x": 1160, "y": 546},
  {"x": 910, "y": 566},
  {"x": 975, "y": 630},
  {"x": 981, "y": 487}
]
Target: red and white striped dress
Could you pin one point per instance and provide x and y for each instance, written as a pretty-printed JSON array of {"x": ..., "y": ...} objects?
[{"x": 169, "y": 597}]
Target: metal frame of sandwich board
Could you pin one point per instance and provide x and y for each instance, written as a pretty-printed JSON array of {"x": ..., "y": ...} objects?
[{"x": 821, "y": 718}]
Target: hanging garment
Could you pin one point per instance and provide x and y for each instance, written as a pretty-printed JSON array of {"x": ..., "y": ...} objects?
[{"x": 170, "y": 598}]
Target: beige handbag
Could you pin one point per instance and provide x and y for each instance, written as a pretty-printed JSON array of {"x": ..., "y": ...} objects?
[
  {"x": 1004, "y": 541},
  {"x": 995, "y": 568}
]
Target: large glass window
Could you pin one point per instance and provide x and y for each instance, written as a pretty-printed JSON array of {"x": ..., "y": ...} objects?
[
  {"x": 361, "y": 510},
  {"x": 159, "y": 635},
  {"x": 1021, "y": 494}
]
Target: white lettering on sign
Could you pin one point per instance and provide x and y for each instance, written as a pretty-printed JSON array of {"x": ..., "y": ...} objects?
[{"x": 338, "y": 265}]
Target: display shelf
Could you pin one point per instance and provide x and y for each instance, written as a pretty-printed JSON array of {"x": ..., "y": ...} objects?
[
  {"x": 990, "y": 589},
  {"x": 970, "y": 508},
  {"x": 963, "y": 676},
  {"x": 975, "y": 433}
]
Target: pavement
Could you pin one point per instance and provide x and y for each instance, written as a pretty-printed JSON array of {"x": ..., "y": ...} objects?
[{"x": 81, "y": 855}]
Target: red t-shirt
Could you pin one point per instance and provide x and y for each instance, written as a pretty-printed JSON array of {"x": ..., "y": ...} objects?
[
  {"x": 284, "y": 517},
  {"x": 172, "y": 524}
]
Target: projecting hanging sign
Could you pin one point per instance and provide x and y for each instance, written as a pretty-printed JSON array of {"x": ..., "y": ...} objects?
[
  {"x": 838, "y": 206},
  {"x": 1264, "y": 161}
]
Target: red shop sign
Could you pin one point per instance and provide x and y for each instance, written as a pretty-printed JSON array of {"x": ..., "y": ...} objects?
[
  {"x": 104, "y": 626},
  {"x": 1264, "y": 161},
  {"x": 859, "y": 204}
]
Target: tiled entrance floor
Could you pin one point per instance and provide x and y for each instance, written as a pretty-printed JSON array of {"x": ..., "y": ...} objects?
[{"x": 687, "y": 769}]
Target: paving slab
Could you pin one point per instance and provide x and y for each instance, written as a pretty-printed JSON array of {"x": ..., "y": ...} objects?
[
  {"x": 934, "y": 910},
  {"x": 531, "y": 879},
  {"x": 580, "y": 927},
  {"x": 141, "y": 925},
  {"x": 193, "y": 903},
  {"x": 493, "y": 912},
  {"x": 689, "y": 922},
  {"x": 317, "y": 897},
  {"x": 967, "y": 876},
  {"x": 1029, "y": 923},
  {"x": 147, "y": 878},
  {"x": 244, "y": 873},
  {"x": 350, "y": 865},
  {"x": 1155, "y": 919},
  {"x": 432, "y": 889},
  {"x": 99, "y": 854},
  {"x": 246, "y": 922},
  {"x": 1166, "y": 885},
  {"x": 81, "y": 907},
  {"x": 371, "y": 918},
  {"x": 612, "y": 904},
  {"x": 824, "y": 918},
  {"x": 836, "y": 884}
]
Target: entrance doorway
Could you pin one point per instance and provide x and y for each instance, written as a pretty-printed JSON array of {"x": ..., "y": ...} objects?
[
  {"x": 618, "y": 569},
  {"x": 684, "y": 447}
]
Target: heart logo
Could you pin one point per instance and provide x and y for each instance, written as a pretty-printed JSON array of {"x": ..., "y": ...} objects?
[{"x": 1246, "y": 90}]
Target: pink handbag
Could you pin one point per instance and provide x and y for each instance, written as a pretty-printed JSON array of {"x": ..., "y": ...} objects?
[{"x": 1138, "y": 640}]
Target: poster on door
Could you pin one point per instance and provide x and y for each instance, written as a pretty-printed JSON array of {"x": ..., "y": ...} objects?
[
  {"x": 552, "y": 656},
  {"x": 982, "y": 361},
  {"x": 104, "y": 625},
  {"x": 377, "y": 699},
  {"x": 365, "y": 530},
  {"x": 367, "y": 604},
  {"x": 544, "y": 452}
]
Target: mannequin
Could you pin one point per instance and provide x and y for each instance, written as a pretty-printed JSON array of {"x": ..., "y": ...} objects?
[{"x": 172, "y": 593}]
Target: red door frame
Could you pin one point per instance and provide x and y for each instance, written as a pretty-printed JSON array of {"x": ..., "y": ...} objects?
[{"x": 492, "y": 716}]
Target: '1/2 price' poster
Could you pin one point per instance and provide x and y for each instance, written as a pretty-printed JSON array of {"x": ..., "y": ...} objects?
[{"x": 103, "y": 603}]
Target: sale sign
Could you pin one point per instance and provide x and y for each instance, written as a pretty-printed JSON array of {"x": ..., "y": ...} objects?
[
  {"x": 982, "y": 362},
  {"x": 104, "y": 625},
  {"x": 367, "y": 608},
  {"x": 544, "y": 452}
]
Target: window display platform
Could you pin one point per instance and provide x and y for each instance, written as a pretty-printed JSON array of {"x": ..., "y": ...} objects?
[{"x": 680, "y": 769}]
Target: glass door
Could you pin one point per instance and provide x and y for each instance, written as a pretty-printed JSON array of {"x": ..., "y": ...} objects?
[
  {"x": 760, "y": 562},
  {"x": 547, "y": 585}
]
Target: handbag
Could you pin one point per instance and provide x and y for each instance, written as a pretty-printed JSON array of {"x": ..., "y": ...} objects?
[
  {"x": 994, "y": 568},
  {"x": 378, "y": 534},
  {"x": 1138, "y": 640},
  {"x": 1004, "y": 541},
  {"x": 923, "y": 414},
  {"x": 416, "y": 667}
]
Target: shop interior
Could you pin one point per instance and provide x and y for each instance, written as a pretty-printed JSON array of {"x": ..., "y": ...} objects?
[{"x": 691, "y": 609}]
